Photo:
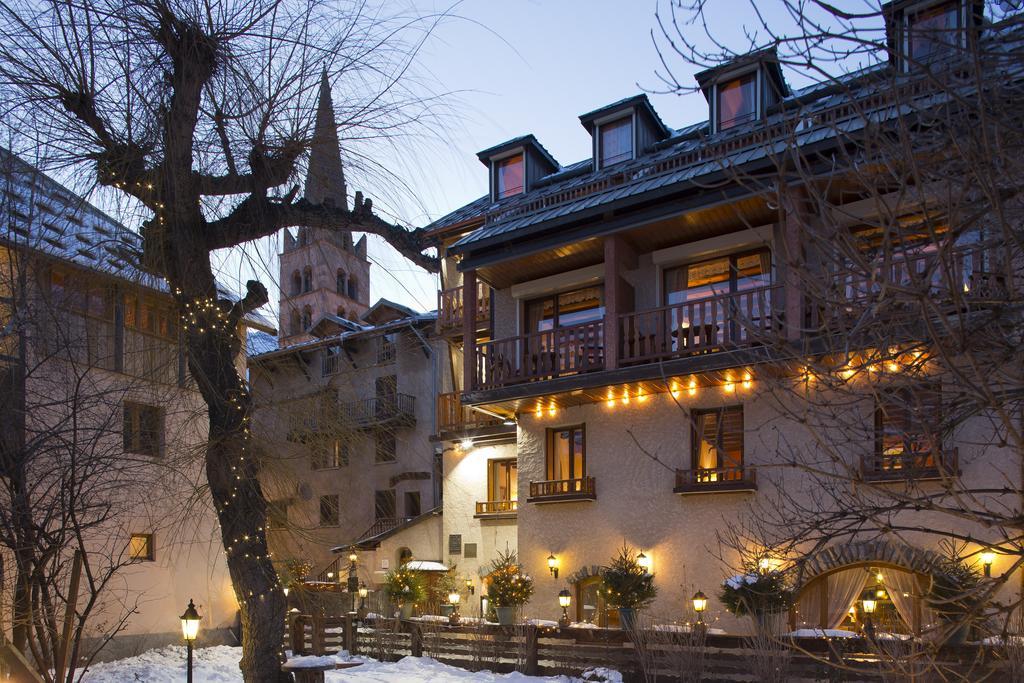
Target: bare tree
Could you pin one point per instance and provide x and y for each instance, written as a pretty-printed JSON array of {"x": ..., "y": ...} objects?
[
  {"x": 199, "y": 114},
  {"x": 896, "y": 170}
]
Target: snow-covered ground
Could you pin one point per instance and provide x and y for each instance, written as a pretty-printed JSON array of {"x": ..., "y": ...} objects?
[{"x": 220, "y": 665}]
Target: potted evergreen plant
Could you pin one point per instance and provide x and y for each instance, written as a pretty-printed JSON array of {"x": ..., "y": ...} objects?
[
  {"x": 953, "y": 595},
  {"x": 445, "y": 584},
  {"x": 627, "y": 586},
  {"x": 406, "y": 588},
  {"x": 757, "y": 594},
  {"x": 508, "y": 587}
]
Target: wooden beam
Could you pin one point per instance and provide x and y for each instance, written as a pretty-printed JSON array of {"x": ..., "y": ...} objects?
[
  {"x": 469, "y": 305},
  {"x": 618, "y": 293}
]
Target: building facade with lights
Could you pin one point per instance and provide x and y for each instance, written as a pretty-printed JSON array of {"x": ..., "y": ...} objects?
[
  {"x": 92, "y": 371},
  {"x": 632, "y": 314}
]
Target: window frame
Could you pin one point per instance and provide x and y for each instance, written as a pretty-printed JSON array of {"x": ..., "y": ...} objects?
[
  {"x": 733, "y": 256},
  {"x": 906, "y": 29},
  {"x": 378, "y": 447},
  {"x": 555, "y": 309},
  {"x": 695, "y": 440},
  {"x": 935, "y": 418},
  {"x": 132, "y": 429},
  {"x": 150, "y": 547},
  {"x": 618, "y": 118},
  {"x": 496, "y": 165},
  {"x": 758, "y": 112},
  {"x": 502, "y": 463},
  {"x": 549, "y": 452},
  {"x": 326, "y": 521}
]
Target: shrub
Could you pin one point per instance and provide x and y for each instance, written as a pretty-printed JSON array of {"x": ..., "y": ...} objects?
[
  {"x": 405, "y": 586},
  {"x": 625, "y": 584},
  {"x": 756, "y": 593},
  {"x": 954, "y": 588},
  {"x": 508, "y": 586}
]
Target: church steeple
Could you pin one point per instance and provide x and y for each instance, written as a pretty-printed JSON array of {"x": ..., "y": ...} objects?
[{"x": 325, "y": 180}]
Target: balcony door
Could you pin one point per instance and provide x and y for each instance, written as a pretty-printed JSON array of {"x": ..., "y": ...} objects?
[
  {"x": 503, "y": 483},
  {"x": 555, "y": 342},
  {"x": 717, "y": 444},
  {"x": 690, "y": 289},
  {"x": 566, "y": 454}
]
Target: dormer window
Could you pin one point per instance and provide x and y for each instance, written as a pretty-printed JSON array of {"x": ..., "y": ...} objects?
[
  {"x": 737, "y": 101},
  {"x": 934, "y": 32},
  {"x": 615, "y": 141},
  {"x": 509, "y": 176}
]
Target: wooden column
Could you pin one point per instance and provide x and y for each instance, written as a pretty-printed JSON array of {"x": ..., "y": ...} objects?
[
  {"x": 618, "y": 294},
  {"x": 469, "y": 304},
  {"x": 791, "y": 258}
]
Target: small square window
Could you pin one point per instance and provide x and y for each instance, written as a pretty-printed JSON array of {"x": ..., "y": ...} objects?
[
  {"x": 737, "y": 101},
  {"x": 509, "y": 176},
  {"x": 329, "y": 510},
  {"x": 140, "y": 548},
  {"x": 143, "y": 429},
  {"x": 615, "y": 141}
]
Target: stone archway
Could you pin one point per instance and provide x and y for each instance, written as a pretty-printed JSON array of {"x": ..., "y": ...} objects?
[{"x": 914, "y": 565}]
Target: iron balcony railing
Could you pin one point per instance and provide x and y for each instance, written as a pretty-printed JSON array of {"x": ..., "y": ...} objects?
[{"x": 379, "y": 411}]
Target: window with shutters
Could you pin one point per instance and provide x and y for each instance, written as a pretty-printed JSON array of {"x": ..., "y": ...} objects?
[
  {"x": 141, "y": 549},
  {"x": 718, "y": 442},
  {"x": 454, "y": 544},
  {"x": 143, "y": 429},
  {"x": 384, "y": 505},
  {"x": 386, "y": 447}
]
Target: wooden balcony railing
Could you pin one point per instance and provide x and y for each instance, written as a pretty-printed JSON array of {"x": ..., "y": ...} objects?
[
  {"x": 450, "y": 308},
  {"x": 379, "y": 411},
  {"x": 452, "y": 416},
  {"x": 726, "y": 321},
  {"x": 496, "y": 507},
  {"x": 540, "y": 355},
  {"x": 709, "y": 480},
  {"x": 910, "y": 466},
  {"x": 557, "y": 490}
]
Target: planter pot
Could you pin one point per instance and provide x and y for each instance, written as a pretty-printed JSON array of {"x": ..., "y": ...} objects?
[
  {"x": 627, "y": 618},
  {"x": 405, "y": 611},
  {"x": 446, "y": 610},
  {"x": 505, "y": 615}
]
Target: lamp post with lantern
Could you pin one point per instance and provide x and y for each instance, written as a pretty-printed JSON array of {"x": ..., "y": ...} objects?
[
  {"x": 869, "y": 605},
  {"x": 353, "y": 580},
  {"x": 190, "y": 629},
  {"x": 453, "y": 600},
  {"x": 700, "y": 604},
  {"x": 564, "y": 600}
]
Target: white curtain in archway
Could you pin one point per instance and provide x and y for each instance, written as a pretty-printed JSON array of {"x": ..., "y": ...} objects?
[
  {"x": 904, "y": 590},
  {"x": 843, "y": 590}
]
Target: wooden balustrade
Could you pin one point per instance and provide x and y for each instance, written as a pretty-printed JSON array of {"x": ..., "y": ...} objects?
[
  {"x": 710, "y": 479},
  {"x": 450, "y": 308},
  {"x": 726, "y": 321},
  {"x": 555, "y": 490},
  {"x": 540, "y": 355},
  {"x": 904, "y": 466},
  {"x": 452, "y": 416},
  {"x": 497, "y": 507}
]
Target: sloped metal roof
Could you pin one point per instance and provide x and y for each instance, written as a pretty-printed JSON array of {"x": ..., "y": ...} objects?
[{"x": 47, "y": 218}]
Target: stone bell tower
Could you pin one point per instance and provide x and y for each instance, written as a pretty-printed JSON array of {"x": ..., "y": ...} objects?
[{"x": 322, "y": 272}]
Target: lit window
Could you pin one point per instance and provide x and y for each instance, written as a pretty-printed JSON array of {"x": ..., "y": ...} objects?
[
  {"x": 737, "y": 101},
  {"x": 906, "y": 422},
  {"x": 934, "y": 32},
  {"x": 502, "y": 480},
  {"x": 141, "y": 548},
  {"x": 615, "y": 141},
  {"x": 509, "y": 176}
]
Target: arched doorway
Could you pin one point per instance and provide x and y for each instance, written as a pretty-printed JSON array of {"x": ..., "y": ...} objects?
[
  {"x": 590, "y": 606},
  {"x": 836, "y": 582}
]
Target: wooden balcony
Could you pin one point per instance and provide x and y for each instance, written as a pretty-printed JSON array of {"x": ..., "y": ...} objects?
[
  {"x": 379, "y": 411},
  {"x": 716, "y": 480},
  {"x": 455, "y": 418},
  {"x": 540, "y": 355},
  {"x": 450, "y": 309},
  {"x": 562, "y": 490},
  {"x": 497, "y": 508},
  {"x": 922, "y": 466},
  {"x": 727, "y": 321}
]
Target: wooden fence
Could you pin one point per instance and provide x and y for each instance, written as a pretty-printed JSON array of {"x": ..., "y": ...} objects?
[{"x": 648, "y": 655}]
